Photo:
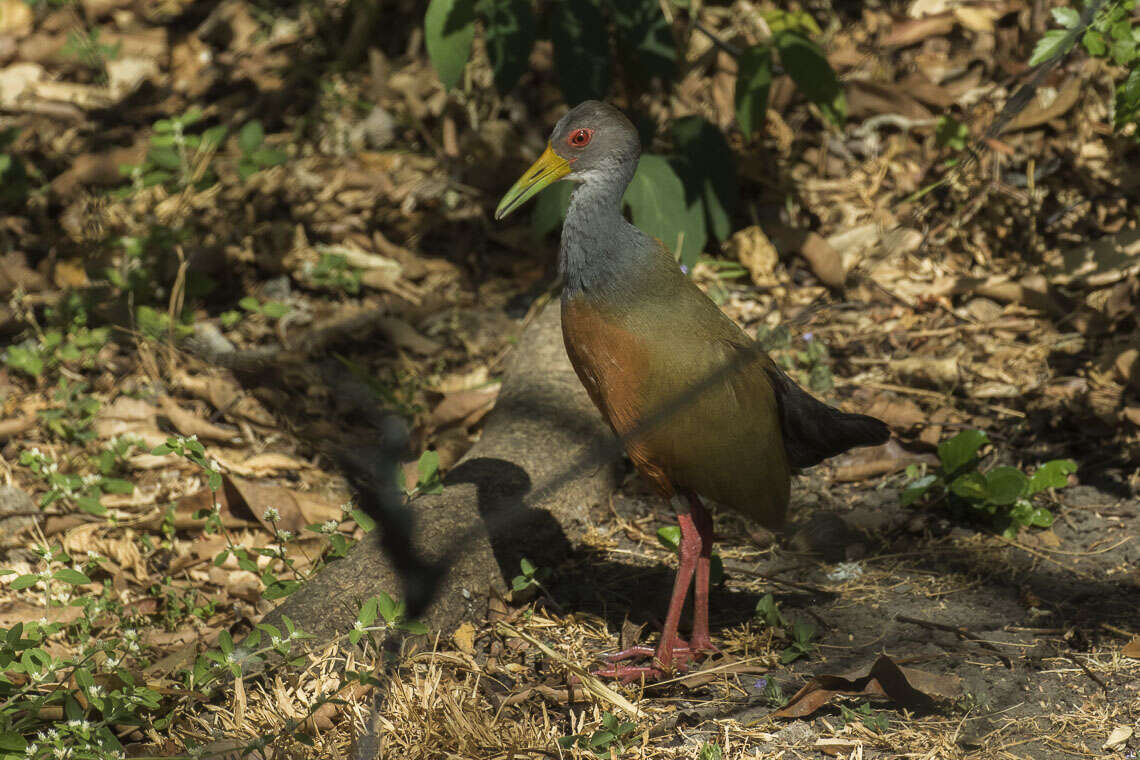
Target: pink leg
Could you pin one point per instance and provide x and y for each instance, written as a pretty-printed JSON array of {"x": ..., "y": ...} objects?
[
  {"x": 702, "y": 521},
  {"x": 670, "y": 645}
]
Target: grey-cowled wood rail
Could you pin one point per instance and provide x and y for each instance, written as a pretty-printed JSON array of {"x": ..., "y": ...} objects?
[{"x": 641, "y": 336}]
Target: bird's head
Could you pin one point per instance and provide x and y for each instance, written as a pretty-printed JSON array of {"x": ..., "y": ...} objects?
[{"x": 592, "y": 141}]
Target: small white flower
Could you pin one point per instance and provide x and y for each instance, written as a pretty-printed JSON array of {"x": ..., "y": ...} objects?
[
  {"x": 329, "y": 526},
  {"x": 285, "y": 535},
  {"x": 346, "y": 507},
  {"x": 31, "y": 749},
  {"x": 358, "y": 626},
  {"x": 271, "y": 515}
]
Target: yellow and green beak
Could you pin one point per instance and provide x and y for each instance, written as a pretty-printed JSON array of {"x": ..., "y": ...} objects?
[{"x": 549, "y": 168}]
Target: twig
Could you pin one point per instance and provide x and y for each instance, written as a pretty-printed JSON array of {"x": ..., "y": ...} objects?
[
  {"x": 958, "y": 631},
  {"x": 1099, "y": 681}
]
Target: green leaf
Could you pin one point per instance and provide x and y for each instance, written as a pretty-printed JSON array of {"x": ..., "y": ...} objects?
[
  {"x": 413, "y": 626},
  {"x": 264, "y": 157},
  {"x": 12, "y": 742},
  {"x": 753, "y": 83},
  {"x": 646, "y": 37},
  {"x": 708, "y": 171},
  {"x": 808, "y": 67},
  {"x": 1054, "y": 474},
  {"x": 1041, "y": 517},
  {"x": 1123, "y": 51},
  {"x": 656, "y": 199},
  {"x": 25, "y": 360},
  {"x": 581, "y": 51},
  {"x": 526, "y": 566},
  {"x": 68, "y": 575},
  {"x": 1094, "y": 43},
  {"x": 363, "y": 519},
  {"x": 1128, "y": 99},
  {"x": 449, "y": 30},
  {"x": 213, "y": 136},
  {"x": 387, "y": 607},
  {"x": 369, "y": 611},
  {"x": 117, "y": 485},
  {"x": 428, "y": 467},
  {"x": 1005, "y": 485},
  {"x": 274, "y": 309},
  {"x": 249, "y": 303},
  {"x": 960, "y": 450},
  {"x": 670, "y": 537},
  {"x": 165, "y": 158},
  {"x": 251, "y": 136},
  {"x": 21, "y": 582},
  {"x": 971, "y": 486},
  {"x": 1052, "y": 44},
  {"x": 1067, "y": 17},
  {"x": 509, "y": 30}
]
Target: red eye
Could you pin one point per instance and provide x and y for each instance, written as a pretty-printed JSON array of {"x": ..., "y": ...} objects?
[{"x": 580, "y": 138}]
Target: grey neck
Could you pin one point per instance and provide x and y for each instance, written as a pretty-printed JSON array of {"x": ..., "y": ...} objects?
[{"x": 599, "y": 247}]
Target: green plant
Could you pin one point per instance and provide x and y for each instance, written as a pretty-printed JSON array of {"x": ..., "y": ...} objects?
[
  {"x": 177, "y": 158},
  {"x": 254, "y": 155},
  {"x": 710, "y": 751},
  {"x": 530, "y": 577},
  {"x": 72, "y": 488},
  {"x": 871, "y": 719},
  {"x": 383, "y": 607},
  {"x": 669, "y": 536},
  {"x": 951, "y": 133},
  {"x": 1111, "y": 33},
  {"x": 609, "y": 741},
  {"x": 270, "y": 309},
  {"x": 84, "y": 46},
  {"x": 429, "y": 481},
  {"x": 801, "y": 644},
  {"x": 72, "y": 420},
  {"x": 1002, "y": 496},
  {"x": 75, "y": 348},
  {"x": 93, "y": 686},
  {"x": 809, "y": 365},
  {"x": 156, "y": 324},
  {"x": 768, "y": 612},
  {"x": 333, "y": 272}
]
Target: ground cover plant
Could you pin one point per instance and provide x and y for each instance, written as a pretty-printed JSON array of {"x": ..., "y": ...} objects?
[{"x": 242, "y": 243}]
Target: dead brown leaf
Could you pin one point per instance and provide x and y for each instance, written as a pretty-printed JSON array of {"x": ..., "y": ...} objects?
[
  {"x": 1132, "y": 648},
  {"x": 189, "y": 423},
  {"x": 908, "y": 688},
  {"x": 295, "y": 509},
  {"x": 469, "y": 406},
  {"x": 751, "y": 247}
]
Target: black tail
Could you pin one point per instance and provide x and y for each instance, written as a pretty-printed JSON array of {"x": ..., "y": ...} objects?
[{"x": 814, "y": 431}]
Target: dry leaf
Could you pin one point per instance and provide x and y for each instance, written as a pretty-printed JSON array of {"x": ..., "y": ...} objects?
[
  {"x": 1118, "y": 738},
  {"x": 129, "y": 416},
  {"x": 463, "y": 404},
  {"x": 912, "y": 689},
  {"x": 189, "y": 423},
  {"x": 1132, "y": 648},
  {"x": 837, "y": 746},
  {"x": 464, "y": 638},
  {"x": 751, "y": 247},
  {"x": 295, "y": 509}
]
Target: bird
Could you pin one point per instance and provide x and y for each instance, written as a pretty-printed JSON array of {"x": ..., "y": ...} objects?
[{"x": 701, "y": 410}]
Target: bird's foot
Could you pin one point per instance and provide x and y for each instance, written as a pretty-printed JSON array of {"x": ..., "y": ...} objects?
[{"x": 666, "y": 661}]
